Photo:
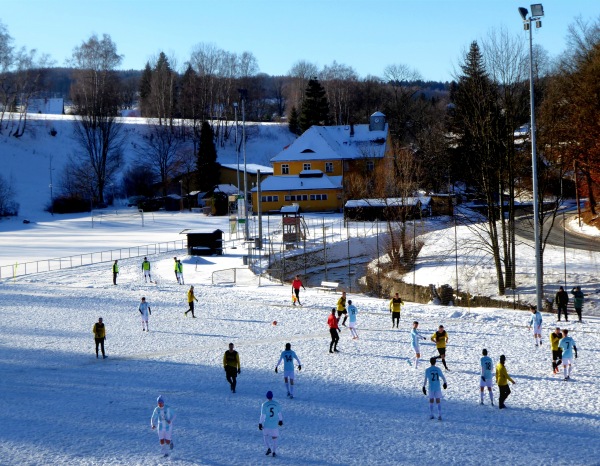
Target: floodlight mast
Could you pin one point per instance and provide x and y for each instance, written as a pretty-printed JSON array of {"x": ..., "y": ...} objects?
[{"x": 537, "y": 10}]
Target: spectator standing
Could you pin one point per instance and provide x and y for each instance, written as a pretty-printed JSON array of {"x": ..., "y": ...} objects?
[
  {"x": 115, "y": 271},
  {"x": 577, "y": 300},
  {"x": 562, "y": 300}
]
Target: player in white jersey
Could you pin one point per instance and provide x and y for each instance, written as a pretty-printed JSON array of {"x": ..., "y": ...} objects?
[
  {"x": 352, "y": 312},
  {"x": 567, "y": 344},
  {"x": 487, "y": 365},
  {"x": 433, "y": 375},
  {"x": 270, "y": 420},
  {"x": 415, "y": 336},
  {"x": 288, "y": 357},
  {"x": 162, "y": 419},
  {"x": 144, "y": 311},
  {"x": 536, "y": 323}
]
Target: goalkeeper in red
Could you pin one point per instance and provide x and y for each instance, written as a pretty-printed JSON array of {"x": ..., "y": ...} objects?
[
  {"x": 433, "y": 375},
  {"x": 287, "y": 357}
]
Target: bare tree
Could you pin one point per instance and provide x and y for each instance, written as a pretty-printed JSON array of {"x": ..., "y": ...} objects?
[
  {"x": 95, "y": 94},
  {"x": 338, "y": 80}
]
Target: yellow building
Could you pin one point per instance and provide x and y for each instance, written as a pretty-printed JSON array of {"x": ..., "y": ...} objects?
[{"x": 310, "y": 172}]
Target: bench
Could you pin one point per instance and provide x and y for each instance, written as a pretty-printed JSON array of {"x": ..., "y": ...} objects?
[{"x": 328, "y": 286}]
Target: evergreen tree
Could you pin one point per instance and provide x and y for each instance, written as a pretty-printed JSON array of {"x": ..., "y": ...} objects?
[
  {"x": 293, "y": 122},
  {"x": 207, "y": 166},
  {"x": 145, "y": 90},
  {"x": 315, "y": 107}
]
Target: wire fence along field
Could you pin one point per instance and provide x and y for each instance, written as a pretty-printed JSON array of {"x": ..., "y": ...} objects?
[{"x": 48, "y": 265}]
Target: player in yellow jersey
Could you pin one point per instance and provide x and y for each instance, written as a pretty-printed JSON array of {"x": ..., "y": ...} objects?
[
  {"x": 555, "y": 338},
  {"x": 440, "y": 338}
]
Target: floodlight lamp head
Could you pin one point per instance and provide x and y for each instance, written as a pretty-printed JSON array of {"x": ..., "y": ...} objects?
[
  {"x": 537, "y": 10},
  {"x": 523, "y": 12}
]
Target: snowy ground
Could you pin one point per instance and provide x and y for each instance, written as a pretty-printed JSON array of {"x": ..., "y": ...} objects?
[{"x": 361, "y": 406}]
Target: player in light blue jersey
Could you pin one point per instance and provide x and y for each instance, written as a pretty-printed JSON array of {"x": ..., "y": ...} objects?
[
  {"x": 162, "y": 420},
  {"x": 536, "y": 323},
  {"x": 415, "y": 336},
  {"x": 288, "y": 357},
  {"x": 352, "y": 312},
  {"x": 567, "y": 344},
  {"x": 487, "y": 365},
  {"x": 433, "y": 375},
  {"x": 144, "y": 311},
  {"x": 270, "y": 420}
]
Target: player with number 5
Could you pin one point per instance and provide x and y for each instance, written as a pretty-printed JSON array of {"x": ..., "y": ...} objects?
[{"x": 270, "y": 420}]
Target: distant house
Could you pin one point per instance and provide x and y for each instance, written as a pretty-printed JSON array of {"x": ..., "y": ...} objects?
[
  {"x": 387, "y": 209},
  {"x": 229, "y": 173},
  {"x": 311, "y": 170},
  {"x": 48, "y": 106}
]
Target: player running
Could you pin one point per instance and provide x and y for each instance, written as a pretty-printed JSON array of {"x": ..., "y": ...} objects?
[
  {"x": 433, "y": 375},
  {"x": 269, "y": 422},
  {"x": 352, "y": 312},
  {"x": 567, "y": 344},
  {"x": 486, "y": 376},
  {"x": 415, "y": 336},
  {"x": 288, "y": 357},
  {"x": 296, "y": 284},
  {"x": 332, "y": 322},
  {"x": 162, "y": 419},
  {"x": 440, "y": 338},
  {"x": 536, "y": 322},
  {"x": 341, "y": 308},
  {"x": 144, "y": 310},
  {"x": 555, "y": 338}
]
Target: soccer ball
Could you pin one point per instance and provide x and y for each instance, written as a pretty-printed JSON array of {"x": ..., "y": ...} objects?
[{"x": 274, "y": 322}]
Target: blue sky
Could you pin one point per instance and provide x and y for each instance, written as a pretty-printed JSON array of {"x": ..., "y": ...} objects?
[{"x": 427, "y": 35}]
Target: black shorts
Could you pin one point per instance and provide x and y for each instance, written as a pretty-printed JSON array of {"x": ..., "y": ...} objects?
[
  {"x": 395, "y": 315},
  {"x": 342, "y": 312},
  {"x": 556, "y": 354},
  {"x": 442, "y": 351}
]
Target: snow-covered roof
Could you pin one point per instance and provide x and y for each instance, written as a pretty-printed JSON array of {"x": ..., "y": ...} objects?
[
  {"x": 335, "y": 142},
  {"x": 389, "y": 202},
  {"x": 290, "y": 209},
  {"x": 226, "y": 189},
  {"x": 295, "y": 183},
  {"x": 251, "y": 168}
]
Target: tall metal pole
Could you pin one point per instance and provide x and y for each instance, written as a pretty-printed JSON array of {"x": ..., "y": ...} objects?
[
  {"x": 536, "y": 207},
  {"x": 237, "y": 152},
  {"x": 243, "y": 93}
]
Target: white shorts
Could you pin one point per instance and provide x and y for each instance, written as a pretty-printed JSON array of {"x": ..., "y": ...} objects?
[
  {"x": 144, "y": 318},
  {"x": 416, "y": 349},
  {"x": 146, "y": 273},
  {"x": 165, "y": 434},
  {"x": 289, "y": 374},
  {"x": 436, "y": 394},
  {"x": 537, "y": 329},
  {"x": 487, "y": 383},
  {"x": 352, "y": 324},
  {"x": 273, "y": 433},
  {"x": 567, "y": 361}
]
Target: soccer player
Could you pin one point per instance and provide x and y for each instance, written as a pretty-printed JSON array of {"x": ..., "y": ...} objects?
[
  {"x": 486, "y": 376},
  {"x": 144, "y": 310},
  {"x": 296, "y": 284},
  {"x": 415, "y": 336},
  {"x": 332, "y": 322},
  {"x": 536, "y": 322},
  {"x": 231, "y": 363},
  {"x": 352, "y": 312},
  {"x": 502, "y": 379},
  {"x": 269, "y": 422},
  {"x": 175, "y": 269},
  {"x": 395, "y": 305},
  {"x": 146, "y": 270},
  {"x": 440, "y": 338},
  {"x": 288, "y": 357},
  {"x": 567, "y": 344},
  {"x": 191, "y": 297},
  {"x": 99, "y": 332},
  {"x": 162, "y": 419},
  {"x": 115, "y": 271},
  {"x": 555, "y": 338},
  {"x": 341, "y": 308},
  {"x": 433, "y": 375},
  {"x": 179, "y": 272}
]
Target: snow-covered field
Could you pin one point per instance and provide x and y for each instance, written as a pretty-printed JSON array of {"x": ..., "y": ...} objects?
[{"x": 361, "y": 406}]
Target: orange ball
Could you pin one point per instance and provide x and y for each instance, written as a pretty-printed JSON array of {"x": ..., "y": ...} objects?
[{"x": 274, "y": 322}]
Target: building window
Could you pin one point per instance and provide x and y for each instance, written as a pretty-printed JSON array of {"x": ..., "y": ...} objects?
[
  {"x": 285, "y": 169},
  {"x": 370, "y": 165},
  {"x": 328, "y": 167},
  {"x": 270, "y": 198},
  {"x": 318, "y": 197},
  {"x": 288, "y": 198},
  {"x": 306, "y": 166},
  {"x": 305, "y": 197}
]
